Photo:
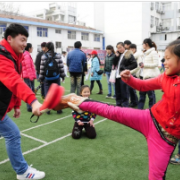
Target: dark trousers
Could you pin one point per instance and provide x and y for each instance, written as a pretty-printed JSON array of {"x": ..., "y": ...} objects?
[
  {"x": 75, "y": 82},
  {"x": 77, "y": 131},
  {"x": 42, "y": 87},
  {"x": 47, "y": 85},
  {"x": 133, "y": 95},
  {"x": 142, "y": 98},
  {"x": 99, "y": 84},
  {"x": 31, "y": 86},
  {"x": 122, "y": 94},
  {"x": 82, "y": 80}
]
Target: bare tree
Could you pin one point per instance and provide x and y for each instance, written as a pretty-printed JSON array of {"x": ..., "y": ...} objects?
[{"x": 9, "y": 8}]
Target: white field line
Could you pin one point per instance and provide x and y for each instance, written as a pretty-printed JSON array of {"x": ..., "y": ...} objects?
[
  {"x": 51, "y": 142},
  {"x": 35, "y": 139},
  {"x": 46, "y": 123}
]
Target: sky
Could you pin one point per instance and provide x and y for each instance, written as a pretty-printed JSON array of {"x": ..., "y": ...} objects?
[{"x": 84, "y": 9}]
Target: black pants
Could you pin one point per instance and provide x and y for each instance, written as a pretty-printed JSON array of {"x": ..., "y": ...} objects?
[
  {"x": 142, "y": 98},
  {"x": 77, "y": 131},
  {"x": 99, "y": 84},
  {"x": 133, "y": 95},
  {"x": 82, "y": 80},
  {"x": 122, "y": 94}
]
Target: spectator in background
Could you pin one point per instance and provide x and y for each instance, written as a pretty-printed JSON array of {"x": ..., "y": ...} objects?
[
  {"x": 64, "y": 59},
  {"x": 76, "y": 61},
  {"x": 28, "y": 70},
  {"x": 38, "y": 63},
  {"x": 132, "y": 92},
  {"x": 95, "y": 67},
  {"x": 162, "y": 65},
  {"x": 89, "y": 59},
  {"x": 124, "y": 60},
  {"x": 84, "y": 71},
  {"x": 107, "y": 69},
  {"x": 57, "y": 74}
]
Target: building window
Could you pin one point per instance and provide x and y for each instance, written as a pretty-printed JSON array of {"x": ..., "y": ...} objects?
[
  {"x": 85, "y": 36},
  {"x": 152, "y": 5},
  {"x": 58, "y": 31},
  {"x": 58, "y": 45},
  {"x": 166, "y": 22},
  {"x": 161, "y": 37},
  {"x": 166, "y": 6},
  {"x": 62, "y": 18},
  {"x": 152, "y": 20},
  {"x": 2, "y": 28},
  {"x": 71, "y": 19},
  {"x": 71, "y": 34},
  {"x": 157, "y": 21},
  {"x": 42, "y": 32},
  {"x": 165, "y": 37},
  {"x": 97, "y": 37},
  {"x": 27, "y": 28},
  {"x": 157, "y": 5}
]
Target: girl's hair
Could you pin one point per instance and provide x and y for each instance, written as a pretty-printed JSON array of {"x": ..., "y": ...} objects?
[
  {"x": 109, "y": 47},
  {"x": 29, "y": 45},
  {"x": 98, "y": 58},
  {"x": 83, "y": 87},
  {"x": 150, "y": 43},
  {"x": 50, "y": 47},
  {"x": 174, "y": 47}
]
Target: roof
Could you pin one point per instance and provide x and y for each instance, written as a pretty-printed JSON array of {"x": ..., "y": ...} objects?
[{"x": 45, "y": 23}]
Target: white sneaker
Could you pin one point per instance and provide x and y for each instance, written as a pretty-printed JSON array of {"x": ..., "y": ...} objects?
[{"x": 31, "y": 173}]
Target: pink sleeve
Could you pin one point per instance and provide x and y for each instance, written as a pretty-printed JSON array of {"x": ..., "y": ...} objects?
[{"x": 145, "y": 85}]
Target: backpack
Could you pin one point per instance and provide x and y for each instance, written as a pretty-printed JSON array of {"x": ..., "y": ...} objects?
[{"x": 51, "y": 68}]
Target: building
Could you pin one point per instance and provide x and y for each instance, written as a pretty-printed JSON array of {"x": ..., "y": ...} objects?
[
  {"x": 136, "y": 21},
  {"x": 63, "y": 35}
]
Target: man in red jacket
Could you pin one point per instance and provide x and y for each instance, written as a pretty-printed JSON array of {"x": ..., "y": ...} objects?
[{"x": 12, "y": 90}]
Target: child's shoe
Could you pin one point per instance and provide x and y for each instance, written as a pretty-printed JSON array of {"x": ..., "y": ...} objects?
[
  {"x": 70, "y": 100},
  {"x": 175, "y": 160},
  {"x": 31, "y": 173}
]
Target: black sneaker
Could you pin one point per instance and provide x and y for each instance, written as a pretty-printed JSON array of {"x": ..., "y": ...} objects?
[
  {"x": 132, "y": 105},
  {"x": 59, "y": 112}
]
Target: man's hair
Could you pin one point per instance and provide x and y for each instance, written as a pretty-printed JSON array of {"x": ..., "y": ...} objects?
[
  {"x": 14, "y": 30},
  {"x": 64, "y": 52},
  {"x": 43, "y": 44},
  {"x": 121, "y": 43},
  {"x": 127, "y": 42},
  {"x": 77, "y": 44},
  {"x": 133, "y": 46}
]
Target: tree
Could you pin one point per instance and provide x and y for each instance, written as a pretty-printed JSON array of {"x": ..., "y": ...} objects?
[{"x": 9, "y": 8}]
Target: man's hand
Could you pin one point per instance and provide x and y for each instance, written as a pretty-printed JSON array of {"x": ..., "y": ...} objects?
[
  {"x": 35, "y": 108},
  {"x": 91, "y": 123},
  {"x": 17, "y": 113},
  {"x": 126, "y": 74},
  {"x": 80, "y": 123}
]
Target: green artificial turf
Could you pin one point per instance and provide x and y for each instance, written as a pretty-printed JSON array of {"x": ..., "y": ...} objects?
[{"x": 118, "y": 152}]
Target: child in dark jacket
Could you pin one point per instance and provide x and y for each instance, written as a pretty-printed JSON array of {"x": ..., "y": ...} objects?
[{"x": 84, "y": 120}]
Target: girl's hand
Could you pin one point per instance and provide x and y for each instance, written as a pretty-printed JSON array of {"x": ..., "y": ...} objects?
[
  {"x": 142, "y": 65},
  {"x": 91, "y": 74},
  {"x": 80, "y": 123},
  {"x": 104, "y": 74},
  {"x": 91, "y": 123},
  {"x": 125, "y": 75},
  {"x": 117, "y": 53}
]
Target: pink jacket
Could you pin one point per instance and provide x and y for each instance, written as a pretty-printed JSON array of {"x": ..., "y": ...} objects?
[{"x": 28, "y": 69}]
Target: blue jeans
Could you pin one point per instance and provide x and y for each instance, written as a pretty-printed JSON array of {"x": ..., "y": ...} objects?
[
  {"x": 31, "y": 86},
  {"x": 11, "y": 134},
  {"x": 109, "y": 84}
]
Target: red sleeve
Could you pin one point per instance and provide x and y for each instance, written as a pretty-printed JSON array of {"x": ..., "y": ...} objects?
[
  {"x": 145, "y": 85},
  {"x": 12, "y": 80}
]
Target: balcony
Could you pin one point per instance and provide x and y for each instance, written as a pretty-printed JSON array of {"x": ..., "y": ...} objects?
[
  {"x": 160, "y": 11},
  {"x": 152, "y": 8},
  {"x": 161, "y": 28}
]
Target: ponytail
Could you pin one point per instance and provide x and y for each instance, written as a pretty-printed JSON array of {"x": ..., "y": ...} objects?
[{"x": 150, "y": 43}]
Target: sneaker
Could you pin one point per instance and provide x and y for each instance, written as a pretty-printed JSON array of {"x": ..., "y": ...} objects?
[
  {"x": 175, "y": 160},
  {"x": 70, "y": 100},
  {"x": 132, "y": 105},
  {"x": 31, "y": 173},
  {"x": 113, "y": 97},
  {"x": 108, "y": 96},
  {"x": 59, "y": 112}
]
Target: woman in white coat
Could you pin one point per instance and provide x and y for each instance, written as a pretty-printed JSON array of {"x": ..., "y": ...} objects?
[{"x": 148, "y": 68}]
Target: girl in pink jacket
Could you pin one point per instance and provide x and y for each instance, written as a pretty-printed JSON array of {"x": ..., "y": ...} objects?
[{"x": 28, "y": 70}]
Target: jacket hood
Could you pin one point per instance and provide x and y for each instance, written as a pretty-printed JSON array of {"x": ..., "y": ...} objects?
[
  {"x": 150, "y": 50},
  {"x": 10, "y": 50}
]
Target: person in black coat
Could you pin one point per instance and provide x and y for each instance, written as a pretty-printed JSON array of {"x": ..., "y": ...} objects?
[{"x": 124, "y": 60}]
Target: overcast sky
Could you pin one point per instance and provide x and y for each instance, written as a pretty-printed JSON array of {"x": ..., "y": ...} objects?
[{"x": 84, "y": 9}]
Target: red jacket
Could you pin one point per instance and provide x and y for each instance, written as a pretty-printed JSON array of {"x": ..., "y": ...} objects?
[
  {"x": 11, "y": 80},
  {"x": 167, "y": 110},
  {"x": 28, "y": 69}
]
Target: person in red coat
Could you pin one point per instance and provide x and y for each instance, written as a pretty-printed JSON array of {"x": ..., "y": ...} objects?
[
  {"x": 12, "y": 91},
  {"x": 28, "y": 70}
]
